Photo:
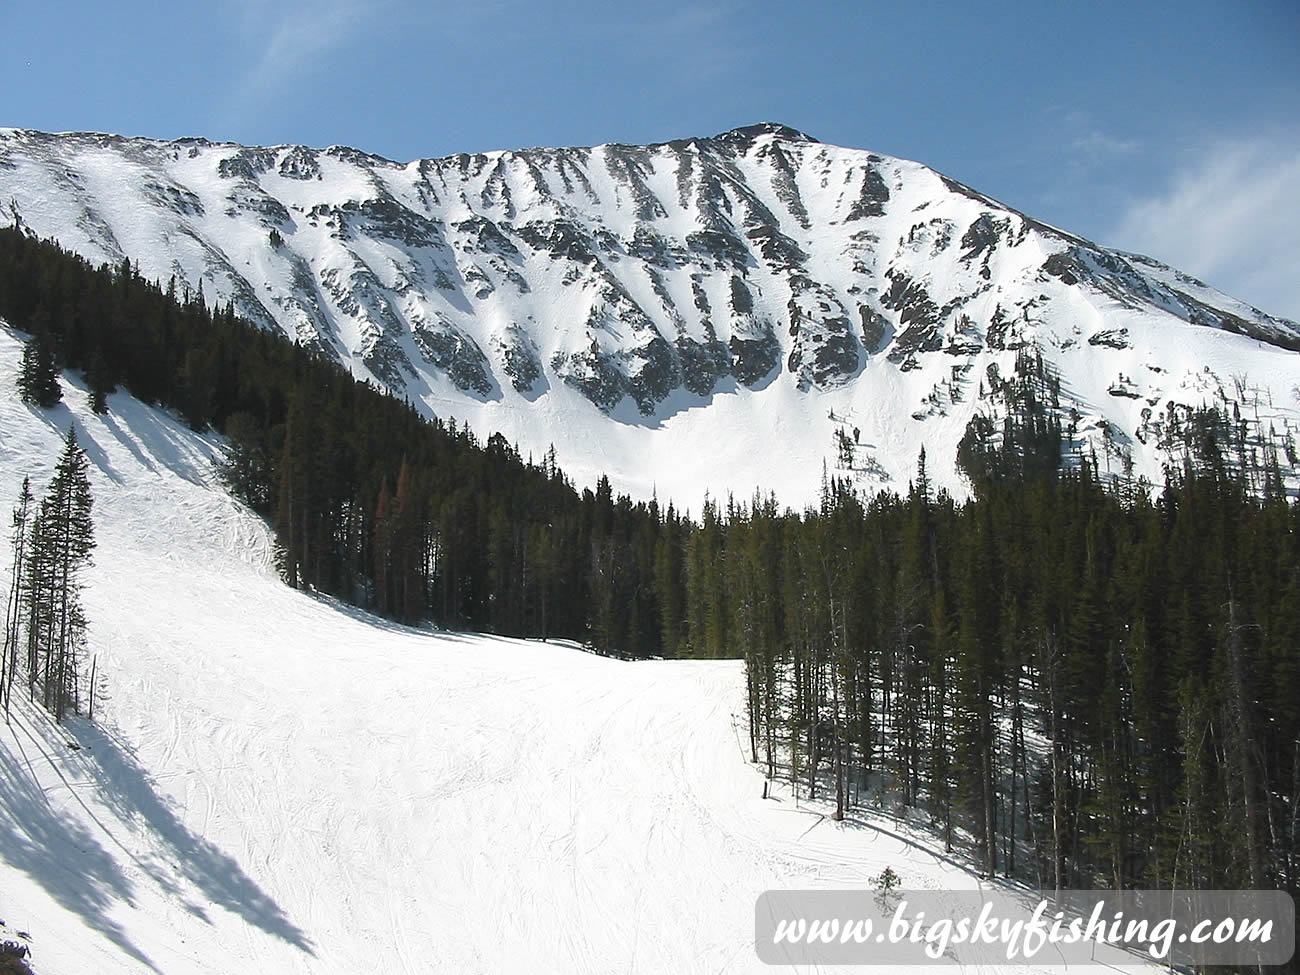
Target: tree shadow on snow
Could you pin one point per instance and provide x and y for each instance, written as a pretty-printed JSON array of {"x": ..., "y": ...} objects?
[
  {"x": 126, "y": 786},
  {"x": 158, "y": 439},
  {"x": 863, "y": 813},
  {"x": 52, "y": 845}
]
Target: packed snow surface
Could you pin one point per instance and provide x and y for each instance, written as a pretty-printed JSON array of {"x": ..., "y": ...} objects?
[{"x": 277, "y": 783}]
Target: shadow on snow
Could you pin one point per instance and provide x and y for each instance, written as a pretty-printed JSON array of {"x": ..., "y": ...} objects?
[
  {"x": 51, "y": 845},
  {"x": 57, "y": 850}
]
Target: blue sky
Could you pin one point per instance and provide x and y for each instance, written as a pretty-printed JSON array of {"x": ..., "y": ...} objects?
[{"x": 1168, "y": 128}]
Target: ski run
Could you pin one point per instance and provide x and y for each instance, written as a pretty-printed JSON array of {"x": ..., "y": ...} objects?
[{"x": 276, "y": 782}]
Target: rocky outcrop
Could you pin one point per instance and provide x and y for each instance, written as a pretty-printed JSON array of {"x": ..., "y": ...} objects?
[{"x": 623, "y": 272}]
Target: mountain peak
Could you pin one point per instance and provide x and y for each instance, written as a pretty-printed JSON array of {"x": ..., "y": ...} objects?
[{"x": 746, "y": 135}]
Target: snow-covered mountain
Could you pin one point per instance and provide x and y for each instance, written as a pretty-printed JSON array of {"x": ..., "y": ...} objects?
[{"x": 718, "y": 313}]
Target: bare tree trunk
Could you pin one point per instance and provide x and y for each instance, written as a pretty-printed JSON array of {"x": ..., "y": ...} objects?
[
  {"x": 1243, "y": 742},
  {"x": 13, "y": 604},
  {"x": 989, "y": 787},
  {"x": 1058, "y": 800},
  {"x": 1017, "y": 738},
  {"x": 63, "y": 645},
  {"x": 836, "y": 744}
]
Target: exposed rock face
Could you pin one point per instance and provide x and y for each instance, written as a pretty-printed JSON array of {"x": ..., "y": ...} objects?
[{"x": 635, "y": 275}]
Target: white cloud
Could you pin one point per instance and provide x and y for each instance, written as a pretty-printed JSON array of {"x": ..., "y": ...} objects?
[
  {"x": 1092, "y": 145},
  {"x": 1096, "y": 144},
  {"x": 284, "y": 37},
  {"x": 1230, "y": 216}
]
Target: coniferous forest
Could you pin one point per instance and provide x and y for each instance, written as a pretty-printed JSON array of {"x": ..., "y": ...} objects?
[{"x": 1083, "y": 681}]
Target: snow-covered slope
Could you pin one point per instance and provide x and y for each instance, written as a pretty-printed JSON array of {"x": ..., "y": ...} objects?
[
  {"x": 701, "y": 314},
  {"x": 277, "y": 783}
]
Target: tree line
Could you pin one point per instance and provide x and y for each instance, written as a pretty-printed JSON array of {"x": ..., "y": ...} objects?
[
  {"x": 1083, "y": 680},
  {"x": 1087, "y": 686}
]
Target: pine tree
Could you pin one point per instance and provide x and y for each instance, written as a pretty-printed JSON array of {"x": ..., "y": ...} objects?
[
  {"x": 98, "y": 382},
  {"x": 246, "y": 469},
  {"x": 382, "y": 545},
  {"x": 13, "y": 604},
  {"x": 941, "y": 737},
  {"x": 38, "y": 378},
  {"x": 61, "y": 543},
  {"x": 669, "y": 581}
]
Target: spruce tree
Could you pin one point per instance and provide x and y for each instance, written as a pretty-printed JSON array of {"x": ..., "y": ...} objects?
[
  {"x": 61, "y": 543},
  {"x": 100, "y": 386},
  {"x": 13, "y": 603},
  {"x": 38, "y": 378}
]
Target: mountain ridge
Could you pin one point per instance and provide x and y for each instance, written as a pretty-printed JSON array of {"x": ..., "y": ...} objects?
[{"x": 758, "y": 274}]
